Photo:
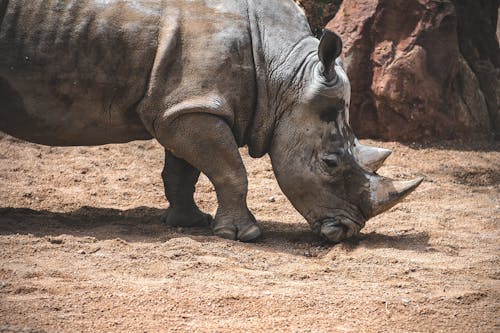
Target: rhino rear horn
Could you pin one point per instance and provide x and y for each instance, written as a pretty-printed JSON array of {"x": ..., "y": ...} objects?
[
  {"x": 385, "y": 193},
  {"x": 330, "y": 47},
  {"x": 370, "y": 158}
]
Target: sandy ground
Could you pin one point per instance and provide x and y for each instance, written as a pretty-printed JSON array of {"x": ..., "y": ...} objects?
[{"x": 82, "y": 248}]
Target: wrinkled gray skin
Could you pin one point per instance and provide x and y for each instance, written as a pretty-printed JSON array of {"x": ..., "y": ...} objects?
[{"x": 203, "y": 78}]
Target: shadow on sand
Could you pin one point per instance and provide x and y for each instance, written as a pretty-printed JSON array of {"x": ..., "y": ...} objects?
[{"x": 143, "y": 224}]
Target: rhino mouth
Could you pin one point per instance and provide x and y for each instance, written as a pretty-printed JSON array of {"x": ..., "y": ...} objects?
[{"x": 336, "y": 229}]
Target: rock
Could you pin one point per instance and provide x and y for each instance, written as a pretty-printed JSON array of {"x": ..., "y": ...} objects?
[
  {"x": 477, "y": 29},
  {"x": 421, "y": 69},
  {"x": 319, "y": 12},
  {"x": 498, "y": 28},
  {"x": 472, "y": 108},
  {"x": 55, "y": 240}
]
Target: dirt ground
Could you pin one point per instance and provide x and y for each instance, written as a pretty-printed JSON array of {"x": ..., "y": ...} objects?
[{"x": 82, "y": 248}]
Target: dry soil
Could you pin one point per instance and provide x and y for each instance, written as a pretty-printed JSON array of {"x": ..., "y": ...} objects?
[{"x": 82, "y": 248}]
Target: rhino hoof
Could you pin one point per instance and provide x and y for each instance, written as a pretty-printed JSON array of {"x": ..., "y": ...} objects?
[
  {"x": 244, "y": 233},
  {"x": 249, "y": 234},
  {"x": 227, "y": 232}
]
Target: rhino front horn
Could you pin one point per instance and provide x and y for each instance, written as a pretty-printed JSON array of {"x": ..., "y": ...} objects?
[
  {"x": 370, "y": 158},
  {"x": 385, "y": 193}
]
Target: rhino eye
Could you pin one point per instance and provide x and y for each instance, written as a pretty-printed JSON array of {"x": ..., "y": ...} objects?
[{"x": 332, "y": 159}]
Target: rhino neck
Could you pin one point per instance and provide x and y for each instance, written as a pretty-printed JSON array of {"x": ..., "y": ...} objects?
[{"x": 283, "y": 49}]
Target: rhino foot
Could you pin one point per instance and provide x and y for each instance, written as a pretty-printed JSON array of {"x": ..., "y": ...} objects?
[
  {"x": 245, "y": 231},
  {"x": 181, "y": 218},
  {"x": 338, "y": 229}
]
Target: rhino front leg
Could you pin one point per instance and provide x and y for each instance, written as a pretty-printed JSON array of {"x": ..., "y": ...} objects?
[
  {"x": 179, "y": 179},
  {"x": 206, "y": 142}
]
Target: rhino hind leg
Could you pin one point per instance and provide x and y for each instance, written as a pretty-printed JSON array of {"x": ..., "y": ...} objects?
[
  {"x": 206, "y": 142},
  {"x": 179, "y": 179}
]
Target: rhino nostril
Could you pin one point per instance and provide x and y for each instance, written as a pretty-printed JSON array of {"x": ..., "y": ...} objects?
[{"x": 331, "y": 160}]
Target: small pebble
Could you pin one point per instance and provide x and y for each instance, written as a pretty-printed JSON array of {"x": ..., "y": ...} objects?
[
  {"x": 271, "y": 199},
  {"x": 406, "y": 301},
  {"x": 81, "y": 252},
  {"x": 55, "y": 240},
  {"x": 94, "y": 250}
]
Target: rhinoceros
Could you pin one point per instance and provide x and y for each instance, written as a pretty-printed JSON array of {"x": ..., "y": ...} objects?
[{"x": 203, "y": 77}]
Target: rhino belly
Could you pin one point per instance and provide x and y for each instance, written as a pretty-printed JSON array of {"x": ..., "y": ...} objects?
[
  {"x": 36, "y": 113},
  {"x": 73, "y": 72}
]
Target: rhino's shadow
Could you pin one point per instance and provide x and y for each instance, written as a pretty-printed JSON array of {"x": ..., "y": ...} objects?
[{"x": 143, "y": 224}]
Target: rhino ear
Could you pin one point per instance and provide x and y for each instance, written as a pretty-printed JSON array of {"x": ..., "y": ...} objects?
[{"x": 330, "y": 47}]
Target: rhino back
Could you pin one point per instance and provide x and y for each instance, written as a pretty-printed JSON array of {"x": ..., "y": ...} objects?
[
  {"x": 72, "y": 72},
  {"x": 76, "y": 72}
]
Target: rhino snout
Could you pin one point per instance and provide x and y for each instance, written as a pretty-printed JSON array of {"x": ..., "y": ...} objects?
[{"x": 337, "y": 229}]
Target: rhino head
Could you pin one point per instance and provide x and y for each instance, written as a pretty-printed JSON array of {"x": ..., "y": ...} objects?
[{"x": 321, "y": 167}]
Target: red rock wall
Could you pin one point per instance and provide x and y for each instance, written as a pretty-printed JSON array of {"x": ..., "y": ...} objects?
[
  {"x": 319, "y": 12},
  {"x": 420, "y": 69}
]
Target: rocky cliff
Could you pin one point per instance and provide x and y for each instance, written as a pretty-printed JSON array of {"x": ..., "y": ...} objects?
[{"x": 419, "y": 69}]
